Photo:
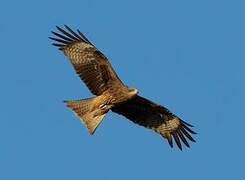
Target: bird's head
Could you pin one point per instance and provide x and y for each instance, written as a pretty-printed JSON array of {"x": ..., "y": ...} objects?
[{"x": 133, "y": 91}]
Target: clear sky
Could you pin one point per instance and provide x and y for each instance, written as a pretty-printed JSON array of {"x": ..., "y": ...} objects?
[{"x": 186, "y": 55}]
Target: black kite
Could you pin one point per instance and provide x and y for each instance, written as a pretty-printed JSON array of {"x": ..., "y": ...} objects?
[{"x": 111, "y": 94}]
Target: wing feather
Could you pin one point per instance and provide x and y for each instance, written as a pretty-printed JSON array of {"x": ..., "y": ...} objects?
[
  {"x": 73, "y": 33},
  {"x": 90, "y": 64},
  {"x": 182, "y": 137},
  {"x": 158, "y": 118}
]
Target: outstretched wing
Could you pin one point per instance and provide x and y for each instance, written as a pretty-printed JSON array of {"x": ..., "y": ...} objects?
[
  {"x": 90, "y": 64},
  {"x": 158, "y": 118}
]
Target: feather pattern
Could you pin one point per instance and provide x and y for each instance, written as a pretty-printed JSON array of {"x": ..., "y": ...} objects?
[
  {"x": 158, "y": 118},
  {"x": 90, "y": 64}
]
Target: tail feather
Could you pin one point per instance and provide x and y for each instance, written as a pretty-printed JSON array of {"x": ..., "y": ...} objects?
[{"x": 87, "y": 111}]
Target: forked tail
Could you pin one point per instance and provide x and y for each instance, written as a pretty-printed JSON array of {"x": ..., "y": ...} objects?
[{"x": 86, "y": 109}]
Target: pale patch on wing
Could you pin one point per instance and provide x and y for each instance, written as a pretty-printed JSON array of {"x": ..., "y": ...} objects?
[
  {"x": 76, "y": 48},
  {"x": 169, "y": 126}
]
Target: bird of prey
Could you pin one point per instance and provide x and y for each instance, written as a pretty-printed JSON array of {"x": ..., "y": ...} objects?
[{"x": 110, "y": 93}]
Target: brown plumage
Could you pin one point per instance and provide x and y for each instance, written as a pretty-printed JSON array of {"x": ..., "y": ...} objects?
[{"x": 111, "y": 94}]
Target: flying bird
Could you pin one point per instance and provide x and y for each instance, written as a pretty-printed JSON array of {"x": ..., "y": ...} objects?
[{"x": 110, "y": 93}]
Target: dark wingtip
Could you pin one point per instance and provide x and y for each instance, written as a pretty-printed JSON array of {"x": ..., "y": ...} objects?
[
  {"x": 57, "y": 27},
  {"x": 182, "y": 137},
  {"x": 73, "y": 33},
  {"x": 183, "y": 130},
  {"x": 59, "y": 40},
  {"x": 170, "y": 141},
  {"x": 67, "y": 36},
  {"x": 194, "y": 132},
  {"x": 66, "y": 26},
  {"x": 177, "y": 140},
  {"x": 188, "y": 129},
  {"x": 62, "y": 39},
  {"x": 182, "y": 134},
  {"x": 190, "y": 125}
]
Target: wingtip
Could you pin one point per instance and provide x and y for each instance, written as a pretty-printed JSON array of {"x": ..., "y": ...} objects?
[
  {"x": 177, "y": 141},
  {"x": 179, "y": 138},
  {"x": 183, "y": 139},
  {"x": 66, "y": 26},
  {"x": 51, "y": 38},
  {"x": 190, "y": 125},
  {"x": 170, "y": 142},
  {"x": 188, "y": 129},
  {"x": 183, "y": 130},
  {"x": 53, "y": 32},
  {"x": 194, "y": 132}
]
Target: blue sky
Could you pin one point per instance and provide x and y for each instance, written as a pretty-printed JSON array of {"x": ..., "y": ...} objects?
[{"x": 186, "y": 55}]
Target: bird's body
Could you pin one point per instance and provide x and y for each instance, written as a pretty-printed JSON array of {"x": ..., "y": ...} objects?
[
  {"x": 112, "y": 94},
  {"x": 118, "y": 95}
]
